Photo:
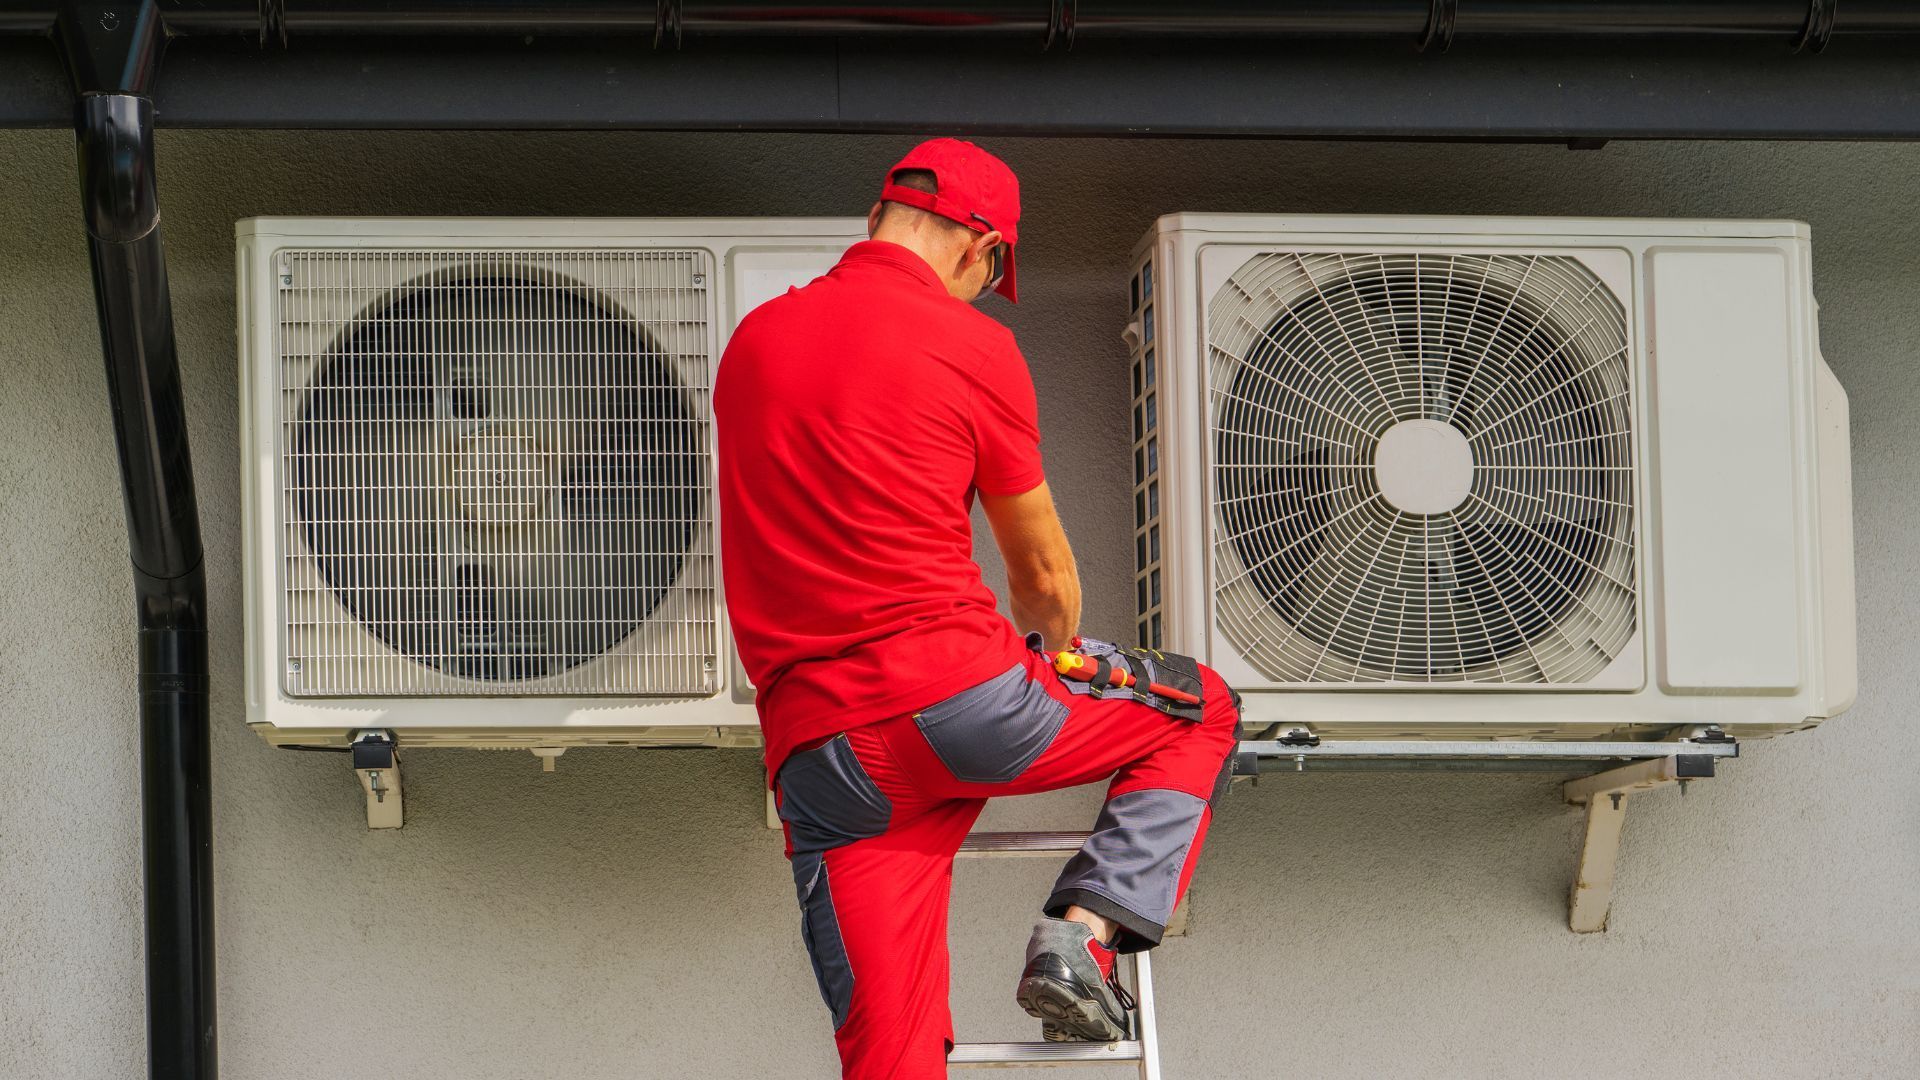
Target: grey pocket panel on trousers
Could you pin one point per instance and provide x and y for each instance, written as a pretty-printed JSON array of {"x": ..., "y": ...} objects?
[
  {"x": 820, "y": 930},
  {"x": 989, "y": 734},
  {"x": 828, "y": 799}
]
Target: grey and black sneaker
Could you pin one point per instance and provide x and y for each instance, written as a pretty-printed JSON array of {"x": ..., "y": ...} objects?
[{"x": 1070, "y": 985}]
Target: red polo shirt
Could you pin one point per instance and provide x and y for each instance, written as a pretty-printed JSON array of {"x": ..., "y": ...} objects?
[{"x": 857, "y": 416}]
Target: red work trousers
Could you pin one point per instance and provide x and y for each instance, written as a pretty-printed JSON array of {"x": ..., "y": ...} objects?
[{"x": 875, "y": 815}]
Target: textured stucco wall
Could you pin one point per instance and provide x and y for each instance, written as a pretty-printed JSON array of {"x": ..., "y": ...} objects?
[{"x": 630, "y": 916}]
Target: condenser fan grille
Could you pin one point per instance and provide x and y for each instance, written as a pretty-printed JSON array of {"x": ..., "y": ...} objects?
[
  {"x": 1423, "y": 468},
  {"x": 494, "y": 470}
]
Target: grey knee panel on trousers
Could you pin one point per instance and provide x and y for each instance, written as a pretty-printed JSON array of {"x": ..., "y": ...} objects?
[
  {"x": 991, "y": 733},
  {"x": 1129, "y": 869}
]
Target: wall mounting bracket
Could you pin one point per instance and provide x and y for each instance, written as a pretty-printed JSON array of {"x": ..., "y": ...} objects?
[
  {"x": 376, "y": 761},
  {"x": 1630, "y": 767},
  {"x": 1605, "y": 796}
]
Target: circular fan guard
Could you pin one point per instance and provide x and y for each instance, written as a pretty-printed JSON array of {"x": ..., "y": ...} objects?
[
  {"x": 496, "y": 476},
  {"x": 1513, "y": 373}
]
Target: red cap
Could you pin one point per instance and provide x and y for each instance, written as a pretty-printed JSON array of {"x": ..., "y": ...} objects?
[{"x": 974, "y": 188}]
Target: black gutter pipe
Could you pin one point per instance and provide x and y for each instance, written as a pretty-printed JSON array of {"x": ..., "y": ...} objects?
[
  {"x": 112, "y": 59},
  {"x": 1801, "y": 23}
]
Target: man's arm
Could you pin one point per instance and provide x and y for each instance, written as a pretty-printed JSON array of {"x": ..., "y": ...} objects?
[{"x": 1041, "y": 576}]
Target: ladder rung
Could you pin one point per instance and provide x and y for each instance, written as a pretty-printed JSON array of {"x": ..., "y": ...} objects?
[
  {"x": 1021, "y": 843},
  {"x": 988, "y": 1055}
]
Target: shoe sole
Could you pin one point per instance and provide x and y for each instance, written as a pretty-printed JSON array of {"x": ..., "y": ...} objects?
[{"x": 1064, "y": 1015}]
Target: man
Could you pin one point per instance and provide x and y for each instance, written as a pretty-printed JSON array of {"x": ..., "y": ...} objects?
[{"x": 858, "y": 419}]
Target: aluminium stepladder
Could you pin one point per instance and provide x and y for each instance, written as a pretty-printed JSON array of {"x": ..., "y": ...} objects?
[{"x": 1141, "y": 1051}]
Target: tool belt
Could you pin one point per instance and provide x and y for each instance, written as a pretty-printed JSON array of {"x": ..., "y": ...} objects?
[{"x": 1166, "y": 682}]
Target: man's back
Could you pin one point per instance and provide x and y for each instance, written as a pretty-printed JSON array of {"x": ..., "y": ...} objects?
[{"x": 857, "y": 416}]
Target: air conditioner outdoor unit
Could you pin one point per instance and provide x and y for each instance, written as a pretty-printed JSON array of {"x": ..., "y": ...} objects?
[
  {"x": 478, "y": 483},
  {"x": 1486, "y": 477}
]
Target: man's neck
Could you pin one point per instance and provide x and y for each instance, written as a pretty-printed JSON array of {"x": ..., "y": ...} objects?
[{"x": 935, "y": 255}]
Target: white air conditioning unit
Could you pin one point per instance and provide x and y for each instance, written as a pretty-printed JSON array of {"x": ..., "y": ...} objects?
[
  {"x": 1486, "y": 477},
  {"x": 478, "y": 487}
]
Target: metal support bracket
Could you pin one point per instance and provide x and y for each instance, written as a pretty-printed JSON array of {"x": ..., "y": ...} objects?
[
  {"x": 1648, "y": 765},
  {"x": 1604, "y": 794},
  {"x": 376, "y": 761}
]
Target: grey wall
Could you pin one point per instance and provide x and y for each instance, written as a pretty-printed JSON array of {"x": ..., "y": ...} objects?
[{"x": 630, "y": 916}]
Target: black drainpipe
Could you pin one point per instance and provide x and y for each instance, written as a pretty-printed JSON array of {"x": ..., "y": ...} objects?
[{"x": 112, "y": 56}]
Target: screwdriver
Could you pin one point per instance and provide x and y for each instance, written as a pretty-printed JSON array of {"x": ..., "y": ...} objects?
[{"x": 1086, "y": 669}]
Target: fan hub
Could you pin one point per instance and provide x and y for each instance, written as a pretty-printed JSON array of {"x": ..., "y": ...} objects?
[
  {"x": 498, "y": 477},
  {"x": 1424, "y": 466}
]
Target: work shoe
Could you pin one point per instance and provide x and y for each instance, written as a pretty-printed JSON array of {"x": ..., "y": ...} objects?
[{"x": 1070, "y": 985}]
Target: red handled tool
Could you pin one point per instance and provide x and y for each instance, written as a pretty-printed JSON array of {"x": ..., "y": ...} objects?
[{"x": 1089, "y": 670}]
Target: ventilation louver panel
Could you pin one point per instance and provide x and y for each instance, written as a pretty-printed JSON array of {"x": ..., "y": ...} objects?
[
  {"x": 1149, "y": 596},
  {"x": 494, "y": 472},
  {"x": 1423, "y": 468}
]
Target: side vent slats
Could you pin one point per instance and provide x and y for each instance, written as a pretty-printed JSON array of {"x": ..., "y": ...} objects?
[{"x": 1149, "y": 590}]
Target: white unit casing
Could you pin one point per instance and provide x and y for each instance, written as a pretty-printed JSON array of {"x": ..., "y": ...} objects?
[
  {"x": 478, "y": 480},
  {"x": 1529, "y": 478}
]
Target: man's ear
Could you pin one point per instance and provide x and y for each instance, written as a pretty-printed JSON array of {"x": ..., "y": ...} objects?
[
  {"x": 873, "y": 217},
  {"x": 981, "y": 244}
]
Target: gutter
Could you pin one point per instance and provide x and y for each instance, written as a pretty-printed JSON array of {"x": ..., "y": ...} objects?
[{"x": 1805, "y": 24}]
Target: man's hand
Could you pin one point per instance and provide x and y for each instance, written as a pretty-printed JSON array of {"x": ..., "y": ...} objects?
[{"x": 1041, "y": 575}]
